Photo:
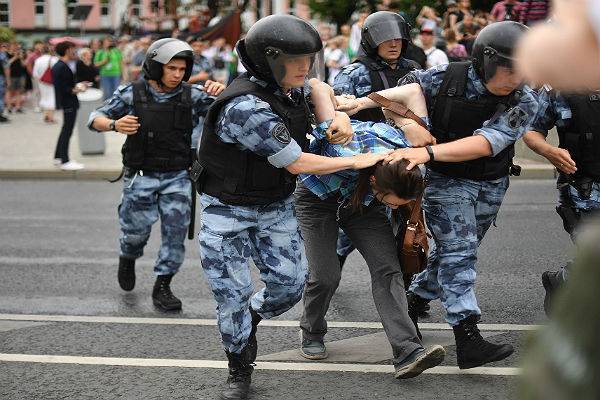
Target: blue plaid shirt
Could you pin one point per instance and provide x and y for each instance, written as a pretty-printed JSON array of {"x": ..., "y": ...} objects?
[{"x": 376, "y": 137}]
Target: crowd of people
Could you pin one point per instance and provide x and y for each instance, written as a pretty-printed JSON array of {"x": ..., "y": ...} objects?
[{"x": 443, "y": 36}]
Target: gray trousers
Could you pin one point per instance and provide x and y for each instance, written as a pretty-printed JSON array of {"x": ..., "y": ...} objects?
[{"x": 371, "y": 233}]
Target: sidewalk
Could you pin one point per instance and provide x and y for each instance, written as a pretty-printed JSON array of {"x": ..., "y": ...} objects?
[{"x": 27, "y": 151}]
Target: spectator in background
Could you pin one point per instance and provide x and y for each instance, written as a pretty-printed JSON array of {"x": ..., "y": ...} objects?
[
  {"x": 535, "y": 11},
  {"x": 85, "y": 70},
  {"x": 4, "y": 79},
  {"x": 464, "y": 8},
  {"x": 482, "y": 19},
  {"x": 128, "y": 48},
  {"x": 139, "y": 57},
  {"x": 110, "y": 61},
  {"x": 337, "y": 57},
  {"x": 434, "y": 55},
  {"x": 202, "y": 65},
  {"x": 66, "y": 91},
  {"x": 345, "y": 31},
  {"x": 18, "y": 77},
  {"x": 219, "y": 54},
  {"x": 47, "y": 97},
  {"x": 451, "y": 9},
  {"x": 355, "y": 33},
  {"x": 38, "y": 51},
  {"x": 95, "y": 45},
  {"x": 506, "y": 10},
  {"x": 428, "y": 19},
  {"x": 454, "y": 50},
  {"x": 466, "y": 32}
]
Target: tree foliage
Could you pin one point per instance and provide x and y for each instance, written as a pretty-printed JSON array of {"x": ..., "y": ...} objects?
[{"x": 6, "y": 34}]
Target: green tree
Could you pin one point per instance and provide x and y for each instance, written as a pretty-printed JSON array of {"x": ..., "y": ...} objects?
[
  {"x": 339, "y": 11},
  {"x": 6, "y": 34}
]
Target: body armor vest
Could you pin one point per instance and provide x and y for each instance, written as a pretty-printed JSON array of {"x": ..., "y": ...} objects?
[
  {"x": 239, "y": 176},
  {"x": 163, "y": 141},
  {"x": 581, "y": 137},
  {"x": 381, "y": 78},
  {"x": 455, "y": 117}
]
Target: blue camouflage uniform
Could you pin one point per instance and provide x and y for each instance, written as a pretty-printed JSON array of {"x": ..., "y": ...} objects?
[
  {"x": 3, "y": 66},
  {"x": 201, "y": 63},
  {"x": 355, "y": 79},
  {"x": 460, "y": 211},
  {"x": 230, "y": 234},
  {"x": 150, "y": 195},
  {"x": 555, "y": 111}
]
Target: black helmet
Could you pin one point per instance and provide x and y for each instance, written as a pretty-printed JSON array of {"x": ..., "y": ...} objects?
[
  {"x": 495, "y": 46},
  {"x": 164, "y": 50},
  {"x": 273, "y": 40},
  {"x": 382, "y": 26}
]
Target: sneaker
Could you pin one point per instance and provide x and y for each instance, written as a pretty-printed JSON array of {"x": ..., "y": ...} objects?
[
  {"x": 71, "y": 166},
  {"x": 57, "y": 162},
  {"x": 419, "y": 361},
  {"x": 4, "y": 119},
  {"x": 312, "y": 349},
  {"x": 20, "y": 111}
]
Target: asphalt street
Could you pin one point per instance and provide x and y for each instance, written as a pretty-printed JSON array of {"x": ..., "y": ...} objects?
[{"x": 58, "y": 261}]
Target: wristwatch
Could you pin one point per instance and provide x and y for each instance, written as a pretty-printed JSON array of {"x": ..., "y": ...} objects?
[
  {"x": 111, "y": 126},
  {"x": 430, "y": 152}
]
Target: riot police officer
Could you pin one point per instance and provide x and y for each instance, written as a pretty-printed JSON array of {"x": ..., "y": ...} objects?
[
  {"x": 160, "y": 114},
  {"x": 254, "y": 143},
  {"x": 385, "y": 37},
  {"x": 478, "y": 109},
  {"x": 577, "y": 157}
]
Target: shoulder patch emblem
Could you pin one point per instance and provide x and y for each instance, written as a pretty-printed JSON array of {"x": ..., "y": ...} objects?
[
  {"x": 516, "y": 117},
  {"x": 281, "y": 133}
]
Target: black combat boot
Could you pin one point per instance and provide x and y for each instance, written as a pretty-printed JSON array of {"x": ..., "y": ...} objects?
[
  {"x": 126, "y": 273},
  {"x": 472, "y": 350},
  {"x": 162, "y": 296},
  {"x": 414, "y": 306},
  {"x": 552, "y": 281},
  {"x": 240, "y": 376},
  {"x": 252, "y": 343}
]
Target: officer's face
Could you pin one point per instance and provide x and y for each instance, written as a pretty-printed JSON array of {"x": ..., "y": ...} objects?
[
  {"x": 173, "y": 73},
  {"x": 504, "y": 81},
  {"x": 390, "y": 49},
  {"x": 296, "y": 70}
]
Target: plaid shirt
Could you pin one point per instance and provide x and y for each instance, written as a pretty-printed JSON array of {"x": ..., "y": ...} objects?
[{"x": 376, "y": 137}]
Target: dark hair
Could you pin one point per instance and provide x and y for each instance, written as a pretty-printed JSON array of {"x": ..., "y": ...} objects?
[
  {"x": 62, "y": 47},
  {"x": 389, "y": 178}
]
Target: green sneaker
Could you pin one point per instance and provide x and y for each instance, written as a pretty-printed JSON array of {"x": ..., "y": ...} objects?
[{"x": 312, "y": 349}]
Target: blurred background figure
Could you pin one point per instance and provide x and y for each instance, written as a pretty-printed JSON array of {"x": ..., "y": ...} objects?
[
  {"x": 42, "y": 74},
  {"x": 85, "y": 70},
  {"x": 110, "y": 61}
]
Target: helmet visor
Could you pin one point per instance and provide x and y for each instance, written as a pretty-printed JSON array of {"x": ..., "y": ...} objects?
[
  {"x": 290, "y": 70},
  {"x": 386, "y": 30}
]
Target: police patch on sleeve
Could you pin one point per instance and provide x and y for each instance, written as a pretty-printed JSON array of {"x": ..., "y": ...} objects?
[
  {"x": 281, "y": 133},
  {"x": 516, "y": 117}
]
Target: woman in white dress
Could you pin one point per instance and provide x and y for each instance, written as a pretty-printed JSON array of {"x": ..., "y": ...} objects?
[{"x": 47, "y": 99}]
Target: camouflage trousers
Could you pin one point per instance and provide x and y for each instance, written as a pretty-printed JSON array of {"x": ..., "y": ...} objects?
[
  {"x": 458, "y": 213},
  {"x": 146, "y": 198},
  {"x": 583, "y": 209},
  {"x": 228, "y": 237}
]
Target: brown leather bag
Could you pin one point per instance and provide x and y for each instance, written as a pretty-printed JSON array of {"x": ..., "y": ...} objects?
[{"x": 411, "y": 239}]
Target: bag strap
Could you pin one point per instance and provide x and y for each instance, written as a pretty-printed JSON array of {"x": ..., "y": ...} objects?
[
  {"x": 416, "y": 212},
  {"x": 397, "y": 108}
]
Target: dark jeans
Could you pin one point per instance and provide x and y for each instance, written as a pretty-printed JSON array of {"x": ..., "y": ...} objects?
[
  {"x": 62, "y": 146},
  {"x": 371, "y": 233}
]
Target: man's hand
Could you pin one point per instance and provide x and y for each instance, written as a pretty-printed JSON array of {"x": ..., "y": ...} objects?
[
  {"x": 365, "y": 160},
  {"x": 127, "y": 125},
  {"x": 347, "y": 103},
  {"x": 414, "y": 156},
  {"x": 417, "y": 135},
  {"x": 213, "y": 88},
  {"x": 340, "y": 131},
  {"x": 561, "y": 159}
]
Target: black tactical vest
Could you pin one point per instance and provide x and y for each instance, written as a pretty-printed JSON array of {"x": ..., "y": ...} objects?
[
  {"x": 242, "y": 177},
  {"x": 163, "y": 141},
  {"x": 455, "y": 117},
  {"x": 382, "y": 78},
  {"x": 581, "y": 137}
]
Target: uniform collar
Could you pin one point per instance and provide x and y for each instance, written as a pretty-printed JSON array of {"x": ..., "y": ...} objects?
[
  {"x": 477, "y": 82},
  {"x": 279, "y": 91}
]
